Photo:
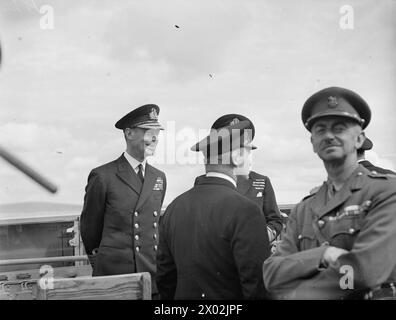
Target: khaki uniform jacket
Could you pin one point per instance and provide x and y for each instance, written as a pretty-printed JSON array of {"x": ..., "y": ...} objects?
[
  {"x": 360, "y": 218},
  {"x": 120, "y": 217}
]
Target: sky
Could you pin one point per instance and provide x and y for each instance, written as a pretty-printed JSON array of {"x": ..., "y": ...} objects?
[{"x": 71, "y": 69}]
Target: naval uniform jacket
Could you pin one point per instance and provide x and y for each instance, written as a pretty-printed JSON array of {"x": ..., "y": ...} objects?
[
  {"x": 258, "y": 188},
  {"x": 120, "y": 217},
  {"x": 369, "y": 166},
  {"x": 212, "y": 245},
  {"x": 360, "y": 218}
]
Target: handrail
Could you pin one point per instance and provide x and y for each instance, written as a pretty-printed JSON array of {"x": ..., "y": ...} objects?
[
  {"x": 42, "y": 260},
  {"x": 288, "y": 206}
]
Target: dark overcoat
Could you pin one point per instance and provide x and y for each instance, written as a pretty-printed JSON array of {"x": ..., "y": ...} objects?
[{"x": 212, "y": 245}]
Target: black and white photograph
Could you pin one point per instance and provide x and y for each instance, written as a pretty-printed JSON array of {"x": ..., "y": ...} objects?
[{"x": 211, "y": 151}]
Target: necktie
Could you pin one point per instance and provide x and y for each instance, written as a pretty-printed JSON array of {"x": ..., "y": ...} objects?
[
  {"x": 331, "y": 190},
  {"x": 140, "y": 173}
]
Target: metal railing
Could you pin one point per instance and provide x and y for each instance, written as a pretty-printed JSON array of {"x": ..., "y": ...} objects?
[{"x": 43, "y": 261}]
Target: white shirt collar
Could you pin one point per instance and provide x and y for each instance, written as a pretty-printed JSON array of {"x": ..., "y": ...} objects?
[
  {"x": 222, "y": 176},
  {"x": 134, "y": 163}
]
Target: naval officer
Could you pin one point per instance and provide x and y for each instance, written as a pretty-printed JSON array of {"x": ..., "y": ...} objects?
[
  {"x": 368, "y": 145},
  {"x": 212, "y": 243},
  {"x": 340, "y": 240},
  {"x": 123, "y": 199},
  {"x": 257, "y": 187},
  {"x": 253, "y": 185}
]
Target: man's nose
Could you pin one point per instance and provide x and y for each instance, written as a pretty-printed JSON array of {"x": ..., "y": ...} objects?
[
  {"x": 151, "y": 141},
  {"x": 329, "y": 134}
]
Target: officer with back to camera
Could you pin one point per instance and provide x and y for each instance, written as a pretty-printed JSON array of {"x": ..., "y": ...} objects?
[{"x": 212, "y": 243}]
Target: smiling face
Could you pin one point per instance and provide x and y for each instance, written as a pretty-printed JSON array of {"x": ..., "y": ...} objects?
[
  {"x": 335, "y": 139},
  {"x": 141, "y": 143}
]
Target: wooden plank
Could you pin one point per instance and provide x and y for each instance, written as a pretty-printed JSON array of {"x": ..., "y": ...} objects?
[
  {"x": 77, "y": 242},
  {"x": 62, "y": 272},
  {"x": 136, "y": 286},
  {"x": 146, "y": 283},
  {"x": 17, "y": 290}
]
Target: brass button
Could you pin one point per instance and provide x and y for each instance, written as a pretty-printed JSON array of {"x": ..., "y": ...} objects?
[
  {"x": 136, "y": 225},
  {"x": 155, "y": 247},
  {"x": 136, "y": 214},
  {"x": 321, "y": 223},
  {"x": 136, "y": 237},
  {"x": 203, "y": 295},
  {"x": 155, "y": 224},
  {"x": 155, "y": 214},
  {"x": 360, "y": 173},
  {"x": 137, "y": 249},
  {"x": 351, "y": 230},
  {"x": 155, "y": 236},
  {"x": 299, "y": 237}
]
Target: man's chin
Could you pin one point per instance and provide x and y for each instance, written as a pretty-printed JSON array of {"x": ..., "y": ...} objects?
[
  {"x": 148, "y": 153},
  {"x": 330, "y": 153},
  {"x": 332, "y": 158}
]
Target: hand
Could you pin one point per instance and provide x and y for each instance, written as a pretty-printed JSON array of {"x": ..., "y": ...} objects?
[
  {"x": 274, "y": 246},
  {"x": 331, "y": 255},
  {"x": 92, "y": 257},
  {"x": 92, "y": 260},
  {"x": 271, "y": 234}
]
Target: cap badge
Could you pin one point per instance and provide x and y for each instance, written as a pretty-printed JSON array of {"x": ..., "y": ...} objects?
[
  {"x": 153, "y": 114},
  {"x": 234, "y": 122},
  {"x": 332, "y": 102}
]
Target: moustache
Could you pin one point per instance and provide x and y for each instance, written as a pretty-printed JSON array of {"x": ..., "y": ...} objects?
[
  {"x": 327, "y": 144},
  {"x": 149, "y": 149}
]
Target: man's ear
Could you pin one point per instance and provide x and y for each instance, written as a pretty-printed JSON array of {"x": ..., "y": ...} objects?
[
  {"x": 129, "y": 133},
  {"x": 236, "y": 158},
  {"x": 360, "y": 139},
  {"x": 313, "y": 146}
]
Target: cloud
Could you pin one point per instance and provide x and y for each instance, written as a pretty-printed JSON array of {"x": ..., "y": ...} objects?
[
  {"x": 27, "y": 137},
  {"x": 37, "y": 145},
  {"x": 63, "y": 90},
  {"x": 146, "y": 35},
  {"x": 18, "y": 11},
  {"x": 77, "y": 163}
]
